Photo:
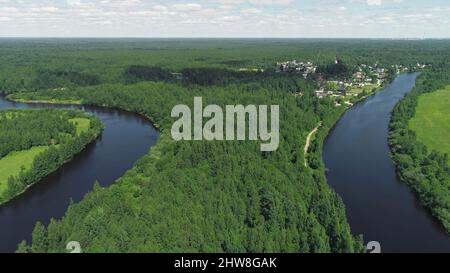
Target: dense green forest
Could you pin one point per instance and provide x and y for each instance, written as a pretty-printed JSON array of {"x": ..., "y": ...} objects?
[
  {"x": 35, "y": 64},
  {"x": 427, "y": 172},
  {"x": 209, "y": 196},
  {"x": 55, "y": 131},
  {"x": 203, "y": 196},
  {"x": 21, "y": 130}
]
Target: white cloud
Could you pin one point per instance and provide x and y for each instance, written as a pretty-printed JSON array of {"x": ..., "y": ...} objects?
[
  {"x": 374, "y": 2},
  {"x": 8, "y": 9},
  {"x": 270, "y": 2},
  {"x": 252, "y": 11},
  {"x": 187, "y": 7},
  {"x": 45, "y": 9},
  {"x": 74, "y": 3},
  {"x": 260, "y": 18}
]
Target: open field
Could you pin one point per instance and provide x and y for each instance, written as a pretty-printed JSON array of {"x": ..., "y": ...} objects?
[
  {"x": 82, "y": 124},
  {"x": 11, "y": 164},
  {"x": 432, "y": 120}
]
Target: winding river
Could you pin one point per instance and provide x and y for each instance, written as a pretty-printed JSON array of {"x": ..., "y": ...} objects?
[
  {"x": 378, "y": 204},
  {"x": 356, "y": 153},
  {"x": 126, "y": 138}
]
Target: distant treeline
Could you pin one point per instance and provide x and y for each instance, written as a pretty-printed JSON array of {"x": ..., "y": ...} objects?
[
  {"x": 335, "y": 70},
  {"x": 204, "y": 76},
  {"x": 137, "y": 73},
  {"x": 47, "y": 79},
  {"x": 45, "y": 64},
  {"x": 209, "y": 76},
  {"x": 427, "y": 172},
  {"x": 46, "y": 127}
]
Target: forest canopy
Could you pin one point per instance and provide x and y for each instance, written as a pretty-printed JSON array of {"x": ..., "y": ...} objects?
[{"x": 205, "y": 196}]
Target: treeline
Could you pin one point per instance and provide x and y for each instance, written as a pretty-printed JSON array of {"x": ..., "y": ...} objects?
[
  {"x": 40, "y": 64},
  {"x": 21, "y": 130},
  {"x": 63, "y": 141},
  {"x": 209, "y": 196},
  {"x": 59, "y": 78},
  {"x": 337, "y": 70},
  {"x": 203, "y": 76},
  {"x": 135, "y": 73},
  {"x": 217, "y": 76},
  {"x": 427, "y": 172}
]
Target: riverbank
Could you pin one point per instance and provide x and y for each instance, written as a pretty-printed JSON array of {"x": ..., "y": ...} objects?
[
  {"x": 431, "y": 122},
  {"x": 414, "y": 134},
  {"x": 62, "y": 102},
  {"x": 28, "y": 97},
  {"x": 26, "y": 168},
  {"x": 14, "y": 98},
  {"x": 327, "y": 129},
  {"x": 125, "y": 139},
  {"x": 378, "y": 204}
]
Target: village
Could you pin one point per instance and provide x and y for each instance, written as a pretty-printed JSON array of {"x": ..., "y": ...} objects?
[{"x": 366, "y": 79}]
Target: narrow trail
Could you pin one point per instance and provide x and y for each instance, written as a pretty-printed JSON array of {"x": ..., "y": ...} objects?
[{"x": 308, "y": 142}]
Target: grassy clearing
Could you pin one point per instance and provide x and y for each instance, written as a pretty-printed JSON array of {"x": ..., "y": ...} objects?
[
  {"x": 82, "y": 124},
  {"x": 432, "y": 120},
  {"x": 11, "y": 164}
]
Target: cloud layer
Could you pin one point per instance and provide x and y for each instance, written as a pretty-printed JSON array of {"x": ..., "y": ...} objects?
[{"x": 226, "y": 18}]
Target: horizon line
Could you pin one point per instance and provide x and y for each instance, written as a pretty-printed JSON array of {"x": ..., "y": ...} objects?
[{"x": 225, "y": 37}]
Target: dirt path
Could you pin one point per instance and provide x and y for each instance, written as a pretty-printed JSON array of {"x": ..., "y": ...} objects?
[{"x": 308, "y": 142}]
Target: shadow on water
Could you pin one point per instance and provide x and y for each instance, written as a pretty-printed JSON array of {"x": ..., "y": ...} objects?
[
  {"x": 378, "y": 204},
  {"x": 126, "y": 138}
]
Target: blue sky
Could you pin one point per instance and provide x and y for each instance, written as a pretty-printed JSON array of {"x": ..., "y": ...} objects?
[{"x": 226, "y": 18}]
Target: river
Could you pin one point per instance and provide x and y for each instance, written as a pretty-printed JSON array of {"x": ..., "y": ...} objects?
[
  {"x": 378, "y": 205},
  {"x": 356, "y": 153},
  {"x": 126, "y": 138}
]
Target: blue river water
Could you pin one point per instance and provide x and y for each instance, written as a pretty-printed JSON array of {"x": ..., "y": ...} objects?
[
  {"x": 126, "y": 138},
  {"x": 379, "y": 206}
]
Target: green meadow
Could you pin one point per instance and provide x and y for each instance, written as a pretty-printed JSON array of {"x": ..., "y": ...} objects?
[
  {"x": 11, "y": 164},
  {"x": 82, "y": 124},
  {"x": 432, "y": 120}
]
